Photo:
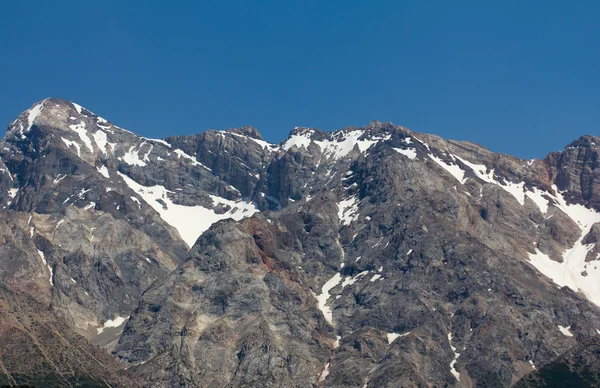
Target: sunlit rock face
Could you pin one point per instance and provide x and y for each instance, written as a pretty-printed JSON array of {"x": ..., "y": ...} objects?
[{"x": 365, "y": 257}]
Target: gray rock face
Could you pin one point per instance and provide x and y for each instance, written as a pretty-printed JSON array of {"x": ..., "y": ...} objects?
[{"x": 366, "y": 257}]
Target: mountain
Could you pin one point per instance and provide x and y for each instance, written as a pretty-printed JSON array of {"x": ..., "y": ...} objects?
[{"x": 364, "y": 257}]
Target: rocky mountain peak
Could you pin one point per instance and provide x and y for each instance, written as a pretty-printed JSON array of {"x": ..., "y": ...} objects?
[
  {"x": 299, "y": 131},
  {"x": 246, "y": 131},
  {"x": 329, "y": 260},
  {"x": 586, "y": 141},
  {"x": 51, "y": 112}
]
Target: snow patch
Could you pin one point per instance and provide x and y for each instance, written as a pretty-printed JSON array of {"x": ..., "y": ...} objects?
[
  {"x": 411, "y": 153},
  {"x": 83, "y": 135},
  {"x": 324, "y": 373},
  {"x": 182, "y": 154},
  {"x": 190, "y": 221},
  {"x": 77, "y": 107},
  {"x": 158, "y": 141},
  {"x": 376, "y": 277},
  {"x": 453, "y": 169},
  {"x": 532, "y": 364},
  {"x": 565, "y": 330},
  {"x": 341, "y": 144},
  {"x": 262, "y": 143},
  {"x": 104, "y": 171},
  {"x": 348, "y": 280},
  {"x": 33, "y": 114},
  {"x": 344, "y": 143},
  {"x": 391, "y": 337},
  {"x": 132, "y": 158},
  {"x": 573, "y": 272},
  {"x": 324, "y": 295},
  {"x": 453, "y": 363},
  {"x": 43, "y": 257},
  {"x": 118, "y": 321},
  {"x": 299, "y": 141},
  {"x": 102, "y": 123},
  {"x": 101, "y": 140},
  {"x": 537, "y": 196},
  {"x": 348, "y": 210},
  {"x": 70, "y": 143}
]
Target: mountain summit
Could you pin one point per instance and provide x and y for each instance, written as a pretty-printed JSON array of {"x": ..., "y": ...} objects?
[{"x": 364, "y": 257}]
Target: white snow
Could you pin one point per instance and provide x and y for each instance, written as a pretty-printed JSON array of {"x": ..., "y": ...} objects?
[
  {"x": 132, "y": 157},
  {"x": 479, "y": 170},
  {"x": 391, "y": 337},
  {"x": 146, "y": 156},
  {"x": 82, "y": 193},
  {"x": 515, "y": 189},
  {"x": 377, "y": 243},
  {"x": 158, "y": 141},
  {"x": 569, "y": 271},
  {"x": 43, "y": 257},
  {"x": 101, "y": 140},
  {"x": 13, "y": 192},
  {"x": 411, "y": 153},
  {"x": 78, "y": 107},
  {"x": 90, "y": 206},
  {"x": 102, "y": 123},
  {"x": 348, "y": 210},
  {"x": 33, "y": 114},
  {"x": 565, "y": 330},
  {"x": 453, "y": 169},
  {"x": 376, "y": 277},
  {"x": 104, "y": 171},
  {"x": 51, "y": 274},
  {"x": 324, "y": 373},
  {"x": 348, "y": 280},
  {"x": 299, "y": 141},
  {"x": 409, "y": 252},
  {"x": 262, "y": 143},
  {"x": 324, "y": 295},
  {"x": 453, "y": 363},
  {"x": 532, "y": 364},
  {"x": 296, "y": 141},
  {"x": 182, "y": 154},
  {"x": 134, "y": 199},
  {"x": 118, "y": 321},
  {"x": 70, "y": 143},
  {"x": 190, "y": 221},
  {"x": 83, "y": 135},
  {"x": 341, "y": 144},
  {"x": 537, "y": 196}
]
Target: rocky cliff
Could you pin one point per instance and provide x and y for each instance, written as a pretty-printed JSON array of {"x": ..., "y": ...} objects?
[{"x": 365, "y": 257}]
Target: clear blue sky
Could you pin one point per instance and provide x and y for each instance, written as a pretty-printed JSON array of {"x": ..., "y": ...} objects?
[{"x": 519, "y": 77}]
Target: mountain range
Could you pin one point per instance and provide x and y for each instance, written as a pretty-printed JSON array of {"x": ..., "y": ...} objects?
[{"x": 364, "y": 257}]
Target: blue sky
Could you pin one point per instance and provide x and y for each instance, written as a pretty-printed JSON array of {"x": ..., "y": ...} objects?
[{"x": 517, "y": 77}]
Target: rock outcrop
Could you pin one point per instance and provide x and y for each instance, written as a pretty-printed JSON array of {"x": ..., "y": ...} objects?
[{"x": 365, "y": 257}]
